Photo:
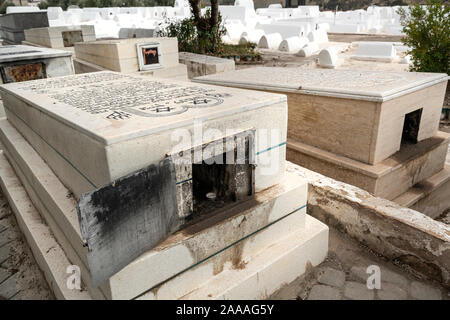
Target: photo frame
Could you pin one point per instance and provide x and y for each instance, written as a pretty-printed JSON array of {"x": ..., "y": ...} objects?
[{"x": 149, "y": 55}]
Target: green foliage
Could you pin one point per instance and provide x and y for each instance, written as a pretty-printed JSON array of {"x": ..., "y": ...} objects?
[
  {"x": 196, "y": 38},
  {"x": 185, "y": 31},
  {"x": 44, "y": 4},
  {"x": 427, "y": 33},
  {"x": 3, "y": 6},
  {"x": 240, "y": 52}
]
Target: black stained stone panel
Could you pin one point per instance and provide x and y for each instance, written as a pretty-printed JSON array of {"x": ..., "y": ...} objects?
[{"x": 128, "y": 217}]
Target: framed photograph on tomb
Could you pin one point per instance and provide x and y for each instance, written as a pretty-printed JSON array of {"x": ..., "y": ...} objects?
[{"x": 149, "y": 55}]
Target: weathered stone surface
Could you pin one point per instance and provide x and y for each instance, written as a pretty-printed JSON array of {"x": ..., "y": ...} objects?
[
  {"x": 114, "y": 116},
  {"x": 393, "y": 277},
  {"x": 111, "y": 216},
  {"x": 4, "y": 238},
  {"x": 387, "y": 276},
  {"x": 21, "y": 52},
  {"x": 367, "y": 118},
  {"x": 121, "y": 54},
  {"x": 321, "y": 292},
  {"x": 422, "y": 291},
  {"x": 4, "y": 274},
  {"x": 200, "y": 65},
  {"x": 61, "y": 36},
  {"x": 332, "y": 277},
  {"x": 382, "y": 225},
  {"x": 358, "y": 291},
  {"x": 4, "y": 253},
  {"x": 47, "y": 252},
  {"x": 8, "y": 288},
  {"x": 391, "y": 291}
]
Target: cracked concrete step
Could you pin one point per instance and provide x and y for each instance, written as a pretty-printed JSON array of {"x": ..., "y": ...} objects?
[{"x": 279, "y": 264}]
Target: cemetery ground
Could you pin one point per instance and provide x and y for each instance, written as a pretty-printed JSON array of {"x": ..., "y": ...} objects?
[
  {"x": 342, "y": 42},
  {"x": 341, "y": 276}
]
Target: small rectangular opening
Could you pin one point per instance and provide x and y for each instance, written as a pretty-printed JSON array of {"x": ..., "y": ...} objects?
[
  {"x": 215, "y": 175},
  {"x": 71, "y": 37},
  {"x": 217, "y": 183},
  {"x": 411, "y": 127}
]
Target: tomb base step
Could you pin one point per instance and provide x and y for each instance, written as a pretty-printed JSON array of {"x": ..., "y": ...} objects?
[
  {"x": 186, "y": 248},
  {"x": 29, "y": 43},
  {"x": 49, "y": 255},
  {"x": 431, "y": 196},
  {"x": 387, "y": 179},
  {"x": 178, "y": 72},
  {"x": 260, "y": 276}
]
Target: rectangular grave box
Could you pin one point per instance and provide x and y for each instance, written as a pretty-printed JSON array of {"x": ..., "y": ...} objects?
[
  {"x": 60, "y": 37},
  {"x": 377, "y": 130},
  {"x": 274, "y": 224},
  {"x": 12, "y": 25},
  {"x": 23, "y": 63},
  {"x": 201, "y": 65},
  {"x": 94, "y": 128},
  {"x": 126, "y": 56},
  {"x": 363, "y": 115},
  {"x": 139, "y": 121}
]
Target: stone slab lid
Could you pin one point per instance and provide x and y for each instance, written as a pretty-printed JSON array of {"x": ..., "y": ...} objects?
[
  {"x": 354, "y": 84},
  {"x": 20, "y": 52},
  {"x": 112, "y": 107}
]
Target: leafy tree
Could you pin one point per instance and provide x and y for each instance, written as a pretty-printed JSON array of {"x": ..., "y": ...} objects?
[
  {"x": 208, "y": 26},
  {"x": 427, "y": 31},
  {"x": 196, "y": 36}
]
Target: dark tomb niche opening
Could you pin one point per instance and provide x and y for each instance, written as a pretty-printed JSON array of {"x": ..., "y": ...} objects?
[
  {"x": 411, "y": 127},
  {"x": 222, "y": 181}
]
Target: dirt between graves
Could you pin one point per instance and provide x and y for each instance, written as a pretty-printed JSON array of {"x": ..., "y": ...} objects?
[{"x": 27, "y": 280}]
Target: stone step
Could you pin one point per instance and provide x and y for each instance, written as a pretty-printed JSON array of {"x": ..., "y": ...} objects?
[
  {"x": 387, "y": 179},
  {"x": 48, "y": 253},
  {"x": 264, "y": 273},
  {"x": 431, "y": 196}
]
